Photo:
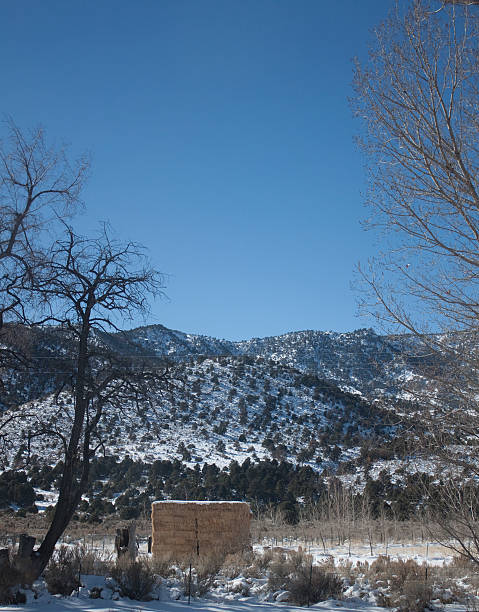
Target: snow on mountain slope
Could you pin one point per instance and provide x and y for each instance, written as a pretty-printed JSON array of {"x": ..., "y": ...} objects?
[
  {"x": 219, "y": 409},
  {"x": 361, "y": 360}
]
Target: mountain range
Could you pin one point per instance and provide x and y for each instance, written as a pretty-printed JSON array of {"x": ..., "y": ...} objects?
[
  {"x": 300, "y": 394},
  {"x": 360, "y": 360},
  {"x": 334, "y": 403}
]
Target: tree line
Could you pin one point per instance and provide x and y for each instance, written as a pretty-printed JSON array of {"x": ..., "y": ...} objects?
[{"x": 127, "y": 487}]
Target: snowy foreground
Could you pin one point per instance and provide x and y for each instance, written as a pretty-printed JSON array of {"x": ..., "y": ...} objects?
[
  {"x": 84, "y": 603},
  {"x": 227, "y": 593}
]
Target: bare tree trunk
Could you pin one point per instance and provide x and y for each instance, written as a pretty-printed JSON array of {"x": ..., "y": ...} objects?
[{"x": 33, "y": 562}]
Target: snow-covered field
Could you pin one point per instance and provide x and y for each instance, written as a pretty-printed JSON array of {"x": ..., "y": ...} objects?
[
  {"x": 431, "y": 553},
  {"x": 55, "y": 603},
  {"x": 229, "y": 594},
  {"x": 86, "y": 605}
]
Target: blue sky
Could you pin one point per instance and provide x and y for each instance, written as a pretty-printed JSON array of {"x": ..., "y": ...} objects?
[{"x": 221, "y": 138}]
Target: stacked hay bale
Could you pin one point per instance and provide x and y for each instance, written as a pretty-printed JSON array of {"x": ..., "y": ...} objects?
[{"x": 187, "y": 529}]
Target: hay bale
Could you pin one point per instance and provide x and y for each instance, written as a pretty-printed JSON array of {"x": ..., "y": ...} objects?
[{"x": 188, "y": 528}]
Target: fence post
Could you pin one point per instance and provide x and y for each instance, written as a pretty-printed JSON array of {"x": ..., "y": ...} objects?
[
  {"x": 310, "y": 581},
  {"x": 189, "y": 586}
]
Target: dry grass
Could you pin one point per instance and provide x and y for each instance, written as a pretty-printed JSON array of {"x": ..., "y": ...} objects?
[
  {"x": 238, "y": 563},
  {"x": 405, "y": 585},
  {"x": 310, "y": 530},
  {"x": 62, "y": 574},
  {"x": 402, "y": 583},
  {"x": 261, "y": 563},
  {"x": 12, "y": 526},
  {"x": 164, "y": 565},
  {"x": 321, "y": 531},
  {"x": 93, "y": 562},
  {"x": 135, "y": 579},
  {"x": 306, "y": 583},
  {"x": 204, "y": 572}
]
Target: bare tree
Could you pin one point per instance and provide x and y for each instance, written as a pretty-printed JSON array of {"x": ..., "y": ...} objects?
[
  {"x": 466, "y": 2},
  {"x": 38, "y": 187},
  {"x": 418, "y": 96},
  {"x": 89, "y": 287}
]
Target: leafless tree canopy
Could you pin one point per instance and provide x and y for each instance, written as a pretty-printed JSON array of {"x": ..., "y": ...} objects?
[
  {"x": 418, "y": 98},
  {"x": 38, "y": 188},
  {"x": 466, "y": 2},
  {"x": 50, "y": 276}
]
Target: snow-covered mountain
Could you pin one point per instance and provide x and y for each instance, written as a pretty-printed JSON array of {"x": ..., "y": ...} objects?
[
  {"x": 310, "y": 398},
  {"x": 360, "y": 360},
  {"x": 223, "y": 408},
  {"x": 305, "y": 396}
]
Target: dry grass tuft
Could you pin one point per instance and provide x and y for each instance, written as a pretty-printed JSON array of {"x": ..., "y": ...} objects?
[
  {"x": 135, "y": 579},
  {"x": 62, "y": 574},
  {"x": 203, "y": 574},
  {"x": 92, "y": 562},
  {"x": 306, "y": 583},
  {"x": 239, "y": 563}
]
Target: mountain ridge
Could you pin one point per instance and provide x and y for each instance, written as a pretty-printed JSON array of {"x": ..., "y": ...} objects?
[{"x": 355, "y": 359}]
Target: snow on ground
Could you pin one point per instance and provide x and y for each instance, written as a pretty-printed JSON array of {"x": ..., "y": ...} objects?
[
  {"x": 432, "y": 554},
  {"x": 45, "y": 499},
  {"x": 82, "y": 602},
  {"x": 169, "y": 597},
  {"x": 56, "y": 604}
]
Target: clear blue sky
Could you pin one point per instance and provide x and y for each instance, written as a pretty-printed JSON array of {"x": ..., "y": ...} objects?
[{"x": 221, "y": 138}]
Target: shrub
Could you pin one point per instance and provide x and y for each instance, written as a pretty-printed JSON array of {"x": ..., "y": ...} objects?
[
  {"x": 163, "y": 566},
  {"x": 464, "y": 563},
  {"x": 62, "y": 574},
  {"x": 135, "y": 579},
  {"x": 93, "y": 562},
  {"x": 396, "y": 572},
  {"x": 10, "y": 579},
  {"x": 415, "y": 596},
  {"x": 238, "y": 563},
  {"x": 403, "y": 583},
  {"x": 279, "y": 571},
  {"x": 203, "y": 575},
  {"x": 305, "y": 582},
  {"x": 206, "y": 574},
  {"x": 313, "y": 584},
  {"x": 262, "y": 562}
]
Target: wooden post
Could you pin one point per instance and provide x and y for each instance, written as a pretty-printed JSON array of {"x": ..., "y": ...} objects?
[
  {"x": 25, "y": 545},
  {"x": 118, "y": 542},
  {"x": 132, "y": 549},
  {"x": 189, "y": 586},
  {"x": 309, "y": 584},
  {"x": 4, "y": 559},
  {"x": 125, "y": 536},
  {"x": 23, "y": 559}
]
